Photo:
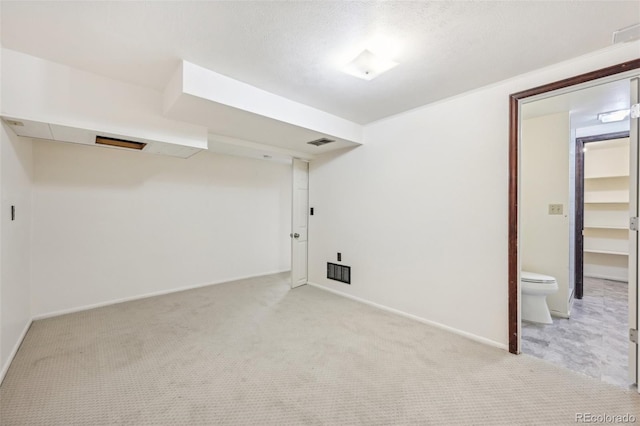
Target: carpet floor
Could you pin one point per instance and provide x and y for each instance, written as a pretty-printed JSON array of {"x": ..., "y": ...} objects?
[{"x": 256, "y": 352}]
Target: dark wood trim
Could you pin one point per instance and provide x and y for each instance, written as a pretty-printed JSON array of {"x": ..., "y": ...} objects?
[
  {"x": 579, "y": 198},
  {"x": 579, "y": 79},
  {"x": 604, "y": 137},
  {"x": 514, "y": 124},
  {"x": 578, "y": 257},
  {"x": 513, "y": 226}
]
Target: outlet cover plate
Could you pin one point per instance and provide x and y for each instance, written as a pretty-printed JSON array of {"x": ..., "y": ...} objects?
[{"x": 555, "y": 208}]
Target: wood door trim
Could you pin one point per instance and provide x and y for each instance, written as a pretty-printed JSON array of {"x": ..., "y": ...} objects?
[
  {"x": 604, "y": 137},
  {"x": 578, "y": 255},
  {"x": 514, "y": 118}
]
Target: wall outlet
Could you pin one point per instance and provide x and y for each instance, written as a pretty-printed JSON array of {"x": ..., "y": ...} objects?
[{"x": 555, "y": 208}]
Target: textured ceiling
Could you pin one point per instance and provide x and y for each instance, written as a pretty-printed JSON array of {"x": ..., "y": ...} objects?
[{"x": 295, "y": 49}]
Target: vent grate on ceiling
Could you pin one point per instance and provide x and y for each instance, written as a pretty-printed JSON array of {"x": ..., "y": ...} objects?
[
  {"x": 120, "y": 143},
  {"x": 321, "y": 141}
]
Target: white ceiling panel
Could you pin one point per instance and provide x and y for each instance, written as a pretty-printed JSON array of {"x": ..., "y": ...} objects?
[
  {"x": 296, "y": 49},
  {"x": 29, "y": 129}
]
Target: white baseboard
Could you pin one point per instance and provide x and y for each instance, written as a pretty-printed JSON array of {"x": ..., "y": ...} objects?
[
  {"x": 465, "y": 334},
  {"x": 606, "y": 277},
  {"x": 14, "y": 351},
  {"x": 146, "y": 295}
]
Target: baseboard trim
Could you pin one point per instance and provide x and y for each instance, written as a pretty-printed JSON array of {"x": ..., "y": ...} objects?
[
  {"x": 453, "y": 330},
  {"x": 14, "y": 351},
  {"x": 147, "y": 295},
  {"x": 606, "y": 277}
]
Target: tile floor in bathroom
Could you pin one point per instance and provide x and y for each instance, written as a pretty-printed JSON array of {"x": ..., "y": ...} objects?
[{"x": 594, "y": 341}]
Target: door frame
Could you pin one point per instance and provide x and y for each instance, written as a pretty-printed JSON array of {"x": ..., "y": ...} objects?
[
  {"x": 514, "y": 152},
  {"x": 579, "y": 203}
]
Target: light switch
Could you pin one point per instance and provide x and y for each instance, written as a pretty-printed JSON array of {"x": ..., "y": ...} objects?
[{"x": 555, "y": 208}]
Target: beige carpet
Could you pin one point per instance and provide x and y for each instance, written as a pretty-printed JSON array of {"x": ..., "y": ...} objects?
[{"x": 255, "y": 352}]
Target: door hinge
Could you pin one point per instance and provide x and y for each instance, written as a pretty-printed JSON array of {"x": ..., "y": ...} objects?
[
  {"x": 635, "y": 110},
  {"x": 633, "y": 223},
  {"x": 633, "y": 335}
]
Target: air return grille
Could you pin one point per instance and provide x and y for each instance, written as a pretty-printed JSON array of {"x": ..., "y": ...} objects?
[
  {"x": 120, "y": 143},
  {"x": 321, "y": 141},
  {"x": 339, "y": 273}
]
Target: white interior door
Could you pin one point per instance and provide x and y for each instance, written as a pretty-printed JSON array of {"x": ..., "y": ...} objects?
[
  {"x": 299, "y": 223},
  {"x": 634, "y": 358}
]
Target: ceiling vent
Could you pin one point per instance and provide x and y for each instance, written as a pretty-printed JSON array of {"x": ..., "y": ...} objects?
[
  {"x": 120, "y": 143},
  {"x": 321, "y": 141}
]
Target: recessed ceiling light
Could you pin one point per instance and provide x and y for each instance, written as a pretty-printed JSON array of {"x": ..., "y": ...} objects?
[
  {"x": 368, "y": 66},
  {"x": 611, "y": 116}
]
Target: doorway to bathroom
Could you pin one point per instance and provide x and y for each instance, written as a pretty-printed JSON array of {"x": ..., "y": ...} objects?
[{"x": 543, "y": 223}]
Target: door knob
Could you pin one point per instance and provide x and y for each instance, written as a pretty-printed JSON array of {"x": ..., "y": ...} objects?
[{"x": 296, "y": 235}]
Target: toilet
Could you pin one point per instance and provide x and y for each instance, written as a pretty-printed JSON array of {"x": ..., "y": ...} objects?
[{"x": 535, "y": 289}]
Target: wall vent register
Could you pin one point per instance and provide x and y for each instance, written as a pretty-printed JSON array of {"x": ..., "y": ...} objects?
[
  {"x": 321, "y": 141},
  {"x": 339, "y": 273},
  {"x": 120, "y": 143}
]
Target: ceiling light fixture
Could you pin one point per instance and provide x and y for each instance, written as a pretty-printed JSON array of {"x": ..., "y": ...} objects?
[
  {"x": 627, "y": 34},
  {"x": 611, "y": 116},
  {"x": 368, "y": 66}
]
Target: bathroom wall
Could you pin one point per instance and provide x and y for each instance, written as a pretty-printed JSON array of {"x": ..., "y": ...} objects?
[{"x": 544, "y": 180}]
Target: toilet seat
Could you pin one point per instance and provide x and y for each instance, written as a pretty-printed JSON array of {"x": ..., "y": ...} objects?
[{"x": 532, "y": 277}]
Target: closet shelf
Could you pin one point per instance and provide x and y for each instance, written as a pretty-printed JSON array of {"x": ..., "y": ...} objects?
[
  {"x": 607, "y": 202},
  {"x": 606, "y": 176},
  {"x": 606, "y": 208},
  {"x": 614, "y": 253},
  {"x": 623, "y": 228}
]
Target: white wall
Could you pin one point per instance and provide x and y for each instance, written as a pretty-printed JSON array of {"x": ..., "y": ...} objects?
[
  {"x": 544, "y": 180},
  {"x": 112, "y": 225},
  {"x": 15, "y": 254},
  {"x": 420, "y": 210}
]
